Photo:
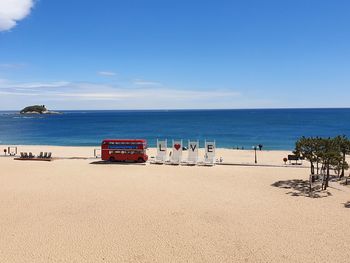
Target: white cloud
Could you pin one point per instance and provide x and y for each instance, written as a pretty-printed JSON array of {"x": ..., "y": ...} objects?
[
  {"x": 85, "y": 95},
  {"x": 141, "y": 82},
  {"x": 107, "y": 73},
  {"x": 12, "y": 11},
  {"x": 36, "y": 85}
]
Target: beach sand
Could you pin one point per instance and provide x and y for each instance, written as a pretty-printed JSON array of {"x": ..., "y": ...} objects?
[{"x": 70, "y": 210}]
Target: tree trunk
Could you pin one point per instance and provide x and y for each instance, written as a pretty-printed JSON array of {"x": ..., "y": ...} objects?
[
  {"x": 342, "y": 167},
  {"x": 317, "y": 169},
  {"x": 312, "y": 168},
  {"x": 327, "y": 178}
]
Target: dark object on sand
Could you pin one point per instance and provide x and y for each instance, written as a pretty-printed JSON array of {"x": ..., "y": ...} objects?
[
  {"x": 30, "y": 157},
  {"x": 292, "y": 157}
]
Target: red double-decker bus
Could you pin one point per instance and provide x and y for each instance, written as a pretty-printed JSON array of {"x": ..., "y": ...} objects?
[{"x": 124, "y": 150}]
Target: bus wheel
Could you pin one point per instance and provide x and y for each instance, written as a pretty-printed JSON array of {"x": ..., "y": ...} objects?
[
  {"x": 140, "y": 160},
  {"x": 111, "y": 159}
]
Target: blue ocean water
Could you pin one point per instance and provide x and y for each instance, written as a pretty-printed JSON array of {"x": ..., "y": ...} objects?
[{"x": 274, "y": 128}]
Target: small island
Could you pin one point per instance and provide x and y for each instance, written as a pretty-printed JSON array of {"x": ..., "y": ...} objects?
[{"x": 37, "y": 109}]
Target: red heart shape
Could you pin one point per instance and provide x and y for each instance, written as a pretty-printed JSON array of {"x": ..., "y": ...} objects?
[{"x": 177, "y": 146}]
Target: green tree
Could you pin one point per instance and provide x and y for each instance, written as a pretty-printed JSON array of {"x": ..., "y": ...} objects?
[
  {"x": 344, "y": 147},
  {"x": 317, "y": 144},
  {"x": 330, "y": 156},
  {"x": 330, "y": 152},
  {"x": 306, "y": 148}
]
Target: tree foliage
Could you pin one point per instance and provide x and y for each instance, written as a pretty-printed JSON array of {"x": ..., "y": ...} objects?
[{"x": 329, "y": 152}]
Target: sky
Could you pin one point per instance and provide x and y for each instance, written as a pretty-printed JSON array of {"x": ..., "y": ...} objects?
[{"x": 174, "y": 54}]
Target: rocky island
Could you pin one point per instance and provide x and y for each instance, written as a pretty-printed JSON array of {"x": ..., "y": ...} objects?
[{"x": 37, "y": 109}]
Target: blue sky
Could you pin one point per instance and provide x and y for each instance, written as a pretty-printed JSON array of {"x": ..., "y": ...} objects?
[{"x": 158, "y": 54}]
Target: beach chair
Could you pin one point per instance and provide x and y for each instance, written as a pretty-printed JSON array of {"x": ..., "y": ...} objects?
[
  {"x": 45, "y": 155},
  {"x": 40, "y": 155},
  {"x": 161, "y": 152},
  {"x": 49, "y": 155},
  {"x": 176, "y": 154},
  {"x": 30, "y": 155},
  {"x": 21, "y": 155},
  {"x": 192, "y": 157}
]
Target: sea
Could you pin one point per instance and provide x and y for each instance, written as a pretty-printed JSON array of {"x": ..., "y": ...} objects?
[{"x": 275, "y": 129}]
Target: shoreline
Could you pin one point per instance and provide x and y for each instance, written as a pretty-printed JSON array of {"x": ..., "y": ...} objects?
[
  {"x": 246, "y": 157},
  {"x": 266, "y": 149},
  {"x": 2, "y": 145}
]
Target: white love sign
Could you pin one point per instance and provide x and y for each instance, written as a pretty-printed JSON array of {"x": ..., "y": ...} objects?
[
  {"x": 177, "y": 151},
  {"x": 193, "y": 151},
  {"x": 161, "y": 150},
  {"x": 210, "y": 151}
]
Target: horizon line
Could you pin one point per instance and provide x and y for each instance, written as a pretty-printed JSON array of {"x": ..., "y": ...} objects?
[{"x": 202, "y": 109}]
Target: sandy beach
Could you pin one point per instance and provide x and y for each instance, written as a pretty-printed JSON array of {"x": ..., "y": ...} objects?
[{"x": 70, "y": 210}]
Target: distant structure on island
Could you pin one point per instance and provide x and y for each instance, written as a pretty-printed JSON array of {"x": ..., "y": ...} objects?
[{"x": 37, "y": 109}]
